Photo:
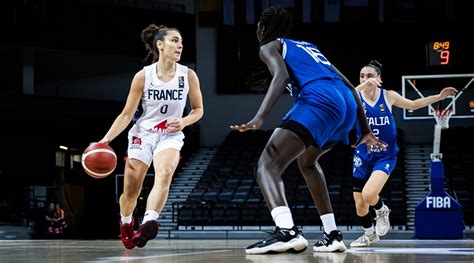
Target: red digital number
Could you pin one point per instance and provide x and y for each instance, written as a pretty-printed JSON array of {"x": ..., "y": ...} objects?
[{"x": 444, "y": 55}]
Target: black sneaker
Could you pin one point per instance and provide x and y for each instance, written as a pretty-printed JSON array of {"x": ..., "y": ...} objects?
[
  {"x": 280, "y": 240},
  {"x": 330, "y": 243},
  {"x": 145, "y": 232}
]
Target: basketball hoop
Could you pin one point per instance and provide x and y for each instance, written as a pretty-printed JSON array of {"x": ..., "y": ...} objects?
[{"x": 442, "y": 118}]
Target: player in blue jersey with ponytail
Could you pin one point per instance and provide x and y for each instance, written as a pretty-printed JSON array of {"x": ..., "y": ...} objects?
[
  {"x": 326, "y": 108},
  {"x": 371, "y": 171}
]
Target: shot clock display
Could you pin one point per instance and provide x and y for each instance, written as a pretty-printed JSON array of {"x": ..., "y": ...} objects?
[{"x": 439, "y": 53}]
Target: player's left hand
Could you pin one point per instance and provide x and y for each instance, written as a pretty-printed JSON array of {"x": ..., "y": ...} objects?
[
  {"x": 377, "y": 82},
  {"x": 373, "y": 144},
  {"x": 447, "y": 92},
  {"x": 175, "y": 125}
]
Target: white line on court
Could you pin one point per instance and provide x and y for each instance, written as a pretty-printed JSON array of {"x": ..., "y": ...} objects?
[
  {"x": 410, "y": 250},
  {"x": 126, "y": 258}
]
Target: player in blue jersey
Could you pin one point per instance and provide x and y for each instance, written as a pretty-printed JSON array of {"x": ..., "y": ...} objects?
[
  {"x": 325, "y": 110},
  {"x": 371, "y": 171}
]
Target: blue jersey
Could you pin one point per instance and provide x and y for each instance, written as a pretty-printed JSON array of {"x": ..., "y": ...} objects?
[
  {"x": 324, "y": 105},
  {"x": 382, "y": 124},
  {"x": 305, "y": 64}
]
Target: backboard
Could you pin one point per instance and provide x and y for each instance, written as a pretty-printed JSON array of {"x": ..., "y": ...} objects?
[{"x": 419, "y": 86}]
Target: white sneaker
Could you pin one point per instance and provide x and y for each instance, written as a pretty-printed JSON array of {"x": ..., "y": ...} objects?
[
  {"x": 382, "y": 224},
  {"x": 365, "y": 240}
]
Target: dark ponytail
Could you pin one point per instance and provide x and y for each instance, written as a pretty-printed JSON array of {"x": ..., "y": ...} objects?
[
  {"x": 375, "y": 65},
  {"x": 149, "y": 36}
]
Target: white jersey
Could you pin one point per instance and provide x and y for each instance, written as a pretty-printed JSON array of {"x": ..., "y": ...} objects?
[{"x": 162, "y": 101}]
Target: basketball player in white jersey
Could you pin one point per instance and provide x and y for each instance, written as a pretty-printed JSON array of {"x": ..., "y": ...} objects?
[{"x": 156, "y": 103}]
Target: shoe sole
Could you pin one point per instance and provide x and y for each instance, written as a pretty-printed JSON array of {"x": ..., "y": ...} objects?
[
  {"x": 368, "y": 245},
  {"x": 148, "y": 232},
  {"x": 360, "y": 245},
  {"x": 336, "y": 246},
  {"x": 296, "y": 245},
  {"x": 365, "y": 245},
  {"x": 132, "y": 246}
]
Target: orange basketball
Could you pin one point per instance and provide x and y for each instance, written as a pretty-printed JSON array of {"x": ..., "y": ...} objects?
[{"x": 99, "y": 160}]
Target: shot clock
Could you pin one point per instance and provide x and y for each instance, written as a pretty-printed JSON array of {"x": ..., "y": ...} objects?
[{"x": 439, "y": 53}]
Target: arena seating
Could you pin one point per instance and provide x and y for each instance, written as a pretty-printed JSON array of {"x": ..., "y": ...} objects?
[
  {"x": 227, "y": 193},
  {"x": 458, "y": 160}
]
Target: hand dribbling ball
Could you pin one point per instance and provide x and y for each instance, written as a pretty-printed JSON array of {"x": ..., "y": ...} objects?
[{"x": 99, "y": 160}]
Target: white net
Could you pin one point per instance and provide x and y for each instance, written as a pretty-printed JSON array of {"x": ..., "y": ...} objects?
[{"x": 442, "y": 118}]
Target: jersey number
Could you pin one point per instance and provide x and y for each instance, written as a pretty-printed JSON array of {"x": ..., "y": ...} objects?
[
  {"x": 376, "y": 132},
  {"x": 315, "y": 54},
  {"x": 164, "y": 109}
]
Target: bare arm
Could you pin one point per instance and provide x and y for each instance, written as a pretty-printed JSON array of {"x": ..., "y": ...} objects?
[
  {"x": 195, "y": 99},
  {"x": 373, "y": 144},
  {"x": 124, "y": 118},
  {"x": 397, "y": 100},
  {"x": 270, "y": 55},
  {"x": 370, "y": 81}
]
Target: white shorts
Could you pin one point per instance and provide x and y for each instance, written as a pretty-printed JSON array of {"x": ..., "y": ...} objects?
[{"x": 144, "y": 144}]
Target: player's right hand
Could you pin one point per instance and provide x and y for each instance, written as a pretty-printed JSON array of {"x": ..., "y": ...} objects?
[
  {"x": 254, "y": 124},
  {"x": 104, "y": 140},
  {"x": 242, "y": 127}
]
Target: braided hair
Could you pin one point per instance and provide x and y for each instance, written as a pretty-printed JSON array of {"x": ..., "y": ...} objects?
[{"x": 275, "y": 22}]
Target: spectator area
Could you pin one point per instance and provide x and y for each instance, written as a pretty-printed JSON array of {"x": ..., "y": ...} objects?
[{"x": 227, "y": 193}]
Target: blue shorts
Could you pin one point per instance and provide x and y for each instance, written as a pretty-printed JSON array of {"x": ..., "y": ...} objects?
[
  {"x": 363, "y": 168},
  {"x": 327, "y": 109}
]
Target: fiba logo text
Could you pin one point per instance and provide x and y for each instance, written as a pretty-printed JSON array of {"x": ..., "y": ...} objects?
[{"x": 438, "y": 202}]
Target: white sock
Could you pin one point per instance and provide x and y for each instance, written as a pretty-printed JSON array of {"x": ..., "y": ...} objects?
[
  {"x": 282, "y": 217},
  {"x": 329, "y": 223},
  {"x": 369, "y": 231},
  {"x": 150, "y": 215},
  {"x": 126, "y": 219}
]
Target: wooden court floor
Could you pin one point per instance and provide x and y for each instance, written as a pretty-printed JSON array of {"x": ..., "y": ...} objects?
[{"x": 212, "y": 251}]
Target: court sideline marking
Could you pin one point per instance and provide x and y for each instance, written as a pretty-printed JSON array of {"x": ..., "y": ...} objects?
[
  {"x": 156, "y": 256},
  {"x": 409, "y": 250}
]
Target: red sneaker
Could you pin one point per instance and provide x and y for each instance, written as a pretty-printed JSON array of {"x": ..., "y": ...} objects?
[
  {"x": 146, "y": 231},
  {"x": 126, "y": 234}
]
